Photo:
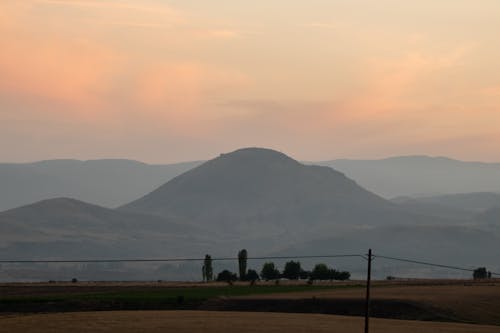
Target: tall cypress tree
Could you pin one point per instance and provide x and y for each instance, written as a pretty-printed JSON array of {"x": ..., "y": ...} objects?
[
  {"x": 242, "y": 264},
  {"x": 207, "y": 269}
]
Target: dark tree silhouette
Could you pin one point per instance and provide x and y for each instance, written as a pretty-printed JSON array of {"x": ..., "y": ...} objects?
[
  {"x": 480, "y": 273},
  {"x": 242, "y": 264},
  {"x": 227, "y": 276},
  {"x": 207, "y": 270},
  {"x": 269, "y": 271},
  {"x": 320, "y": 272},
  {"x": 304, "y": 275},
  {"x": 342, "y": 276},
  {"x": 252, "y": 276},
  {"x": 323, "y": 272},
  {"x": 292, "y": 270}
]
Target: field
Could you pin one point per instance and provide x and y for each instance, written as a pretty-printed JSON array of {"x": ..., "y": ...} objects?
[
  {"x": 426, "y": 306},
  {"x": 200, "y": 321}
]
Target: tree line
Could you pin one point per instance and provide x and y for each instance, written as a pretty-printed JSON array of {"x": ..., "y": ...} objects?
[{"x": 292, "y": 271}]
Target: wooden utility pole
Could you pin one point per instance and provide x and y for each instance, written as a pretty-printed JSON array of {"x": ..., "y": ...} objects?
[{"x": 368, "y": 280}]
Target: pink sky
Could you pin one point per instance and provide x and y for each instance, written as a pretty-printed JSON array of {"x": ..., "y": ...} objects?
[{"x": 164, "y": 81}]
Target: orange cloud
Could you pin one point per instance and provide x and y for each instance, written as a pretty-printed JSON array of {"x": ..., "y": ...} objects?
[
  {"x": 183, "y": 87},
  {"x": 73, "y": 72}
]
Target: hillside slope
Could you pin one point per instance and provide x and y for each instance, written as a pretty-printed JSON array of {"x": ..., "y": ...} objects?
[
  {"x": 258, "y": 191},
  {"x": 68, "y": 228}
]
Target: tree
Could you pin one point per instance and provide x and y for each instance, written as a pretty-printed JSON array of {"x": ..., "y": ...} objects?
[
  {"x": 269, "y": 271},
  {"x": 207, "y": 270},
  {"x": 323, "y": 272},
  {"x": 292, "y": 270},
  {"x": 342, "y": 276},
  {"x": 227, "y": 276},
  {"x": 242, "y": 264},
  {"x": 480, "y": 273},
  {"x": 320, "y": 272},
  {"x": 304, "y": 275},
  {"x": 252, "y": 276}
]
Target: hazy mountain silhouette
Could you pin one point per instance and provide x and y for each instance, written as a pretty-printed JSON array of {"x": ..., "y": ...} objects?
[
  {"x": 453, "y": 245},
  {"x": 107, "y": 183},
  {"x": 420, "y": 175},
  {"x": 460, "y": 206},
  {"x": 490, "y": 217},
  {"x": 111, "y": 183},
  {"x": 257, "y": 199},
  {"x": 261, "y": 191},
  {"x": 62, "y": 228}
]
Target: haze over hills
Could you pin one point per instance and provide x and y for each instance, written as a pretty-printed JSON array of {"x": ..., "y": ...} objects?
[
  {"x": 261, "y": 200},
  {"x": 112, "y": 183},
  {"x": 459, "y": 206},
  {"x": 420, "y": 175},
  {"x": 108, "y": 183},
  {"x": 256, "y": 191},
  {"x": 68, "y": 228}
]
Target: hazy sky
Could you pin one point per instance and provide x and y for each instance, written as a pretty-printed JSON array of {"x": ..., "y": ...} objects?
[{"x": 164, "y": 81}]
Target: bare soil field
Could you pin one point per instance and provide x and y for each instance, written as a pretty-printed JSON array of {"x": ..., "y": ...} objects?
[{"x": 200, "y": 321}]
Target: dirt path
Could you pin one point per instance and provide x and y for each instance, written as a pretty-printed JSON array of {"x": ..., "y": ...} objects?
[{"x": 200, "y": 321}]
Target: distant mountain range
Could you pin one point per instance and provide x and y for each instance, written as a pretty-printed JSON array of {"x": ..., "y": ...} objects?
[
  {"x": 108, "y": 183},
  {"x": 112, "y": 183},
  {"x": 68, "y": 228},
  {"x": 256, "y": 191},
  {"x": 252, "y": 198},
  {"x": 420, "y": 175}
]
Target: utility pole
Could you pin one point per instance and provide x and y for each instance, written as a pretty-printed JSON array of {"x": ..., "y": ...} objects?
[{"x": 368, "y": 280}]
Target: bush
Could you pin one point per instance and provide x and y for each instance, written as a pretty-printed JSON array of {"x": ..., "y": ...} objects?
[
  {"x": 227, "y": 276},
  {"x": 252, "y": 276}
]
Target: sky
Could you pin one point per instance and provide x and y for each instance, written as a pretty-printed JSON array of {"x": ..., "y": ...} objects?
[{"x": 164, "y": 81}]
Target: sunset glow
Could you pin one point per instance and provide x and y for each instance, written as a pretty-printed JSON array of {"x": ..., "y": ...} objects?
[{"x": 164, "y": 81}]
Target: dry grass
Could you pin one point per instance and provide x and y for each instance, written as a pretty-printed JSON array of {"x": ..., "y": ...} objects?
[{"x": 200, "y": 321}]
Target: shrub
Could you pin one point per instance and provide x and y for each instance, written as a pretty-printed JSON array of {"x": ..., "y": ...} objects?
[{"x": 227, "y": 276}]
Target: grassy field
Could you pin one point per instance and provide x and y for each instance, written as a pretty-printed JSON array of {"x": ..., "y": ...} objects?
[
  {"x": 83, "y": 296},
  {"x": 200, "y": 321}
]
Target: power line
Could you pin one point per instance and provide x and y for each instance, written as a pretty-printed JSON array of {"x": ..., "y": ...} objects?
[
  {"x": 235, "y": 258},
  {"x": 429, "y": 264},
  {"x": 174, "y": 259}
]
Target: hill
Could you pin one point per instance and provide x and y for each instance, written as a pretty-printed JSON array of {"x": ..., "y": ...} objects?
[
  {"x": 258, "y": 191},
  {"x": 252, "y": 198},
  {"x": 461, "y": 206},
  {"x": 473, "y": 202},
  {"x": 67, "y": 228},
  {"x": 490, "y": 217},
  {"x": 107, "y": 183},
  {"x": 461, "y": 246},
  {"x": 420, "y": 175},
  {"x": 112, "y": 183}
]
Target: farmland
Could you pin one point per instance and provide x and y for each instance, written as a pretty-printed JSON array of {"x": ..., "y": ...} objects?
[
  {"x": 201, "y": 321},
  {"x": 452, "y": 301}
]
